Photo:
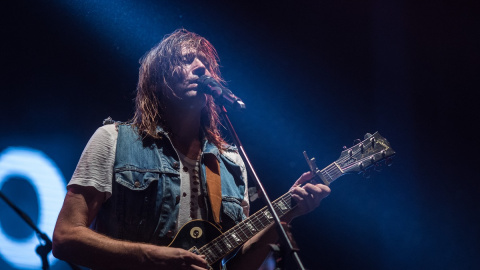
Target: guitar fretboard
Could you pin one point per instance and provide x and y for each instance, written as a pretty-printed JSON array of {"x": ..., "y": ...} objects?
[
  {"x": 330, "y": 173},
  {"x": 243, "y": 231}
]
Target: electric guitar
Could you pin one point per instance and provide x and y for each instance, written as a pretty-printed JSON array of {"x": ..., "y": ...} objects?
[{"x": 204, "y": 238}]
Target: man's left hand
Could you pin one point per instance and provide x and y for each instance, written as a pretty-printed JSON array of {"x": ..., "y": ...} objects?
[{"x": 309, "y": 196}]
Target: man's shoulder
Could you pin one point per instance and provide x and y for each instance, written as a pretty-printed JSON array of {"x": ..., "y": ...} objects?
[
  {"x": 231, "y": 152},
  {"x": 112, "y": 126}
]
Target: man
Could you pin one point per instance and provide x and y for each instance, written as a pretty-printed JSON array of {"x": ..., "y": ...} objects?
[{"x": 138, "y": 183}]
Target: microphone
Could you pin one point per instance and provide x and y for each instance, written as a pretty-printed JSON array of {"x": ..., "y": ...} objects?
[{"x": 224, "y": 96}]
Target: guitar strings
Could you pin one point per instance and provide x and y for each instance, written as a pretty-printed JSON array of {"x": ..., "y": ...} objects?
[
  {"x": 219, "y": 248},
  {"x": 257, "y": 222},
  {"x": 332, "y": 170}
]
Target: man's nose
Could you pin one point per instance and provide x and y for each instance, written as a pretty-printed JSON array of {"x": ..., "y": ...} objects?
[{"x": 199, "y": 68}]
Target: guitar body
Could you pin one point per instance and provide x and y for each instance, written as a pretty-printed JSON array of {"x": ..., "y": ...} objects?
[{"x": 195, "y": 234}]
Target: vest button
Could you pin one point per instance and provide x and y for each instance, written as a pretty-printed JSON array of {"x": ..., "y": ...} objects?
[
  {"x": 137, "y": 184},
  {"x": 176, "y": 165}
]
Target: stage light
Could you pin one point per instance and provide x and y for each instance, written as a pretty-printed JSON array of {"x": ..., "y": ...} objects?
[{"x": 47, "y": 181}]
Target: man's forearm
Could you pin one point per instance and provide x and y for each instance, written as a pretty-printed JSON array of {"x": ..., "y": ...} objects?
[{"x": 85, "y": 247}]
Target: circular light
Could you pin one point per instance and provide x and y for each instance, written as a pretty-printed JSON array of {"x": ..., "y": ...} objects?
[{"x": 45, "y": 177}]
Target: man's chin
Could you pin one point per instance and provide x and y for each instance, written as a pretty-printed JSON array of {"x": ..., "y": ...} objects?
[{"x": 196, "y": 97}]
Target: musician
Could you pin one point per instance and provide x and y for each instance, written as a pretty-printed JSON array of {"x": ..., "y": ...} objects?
[{"x": 138, "y": 183}]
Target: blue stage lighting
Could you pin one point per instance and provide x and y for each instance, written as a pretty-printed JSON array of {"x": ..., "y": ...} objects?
[{"x": 47, "y": 181}]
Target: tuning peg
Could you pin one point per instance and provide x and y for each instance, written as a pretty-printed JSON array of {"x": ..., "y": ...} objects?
[
  {"x": 372, "y": 141},
  {"x": 367, "y": 135}
]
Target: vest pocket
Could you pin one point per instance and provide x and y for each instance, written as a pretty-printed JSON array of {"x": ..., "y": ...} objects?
[
  {"x": 232, "y": 208},
  {"x": 135, "y": 207}
]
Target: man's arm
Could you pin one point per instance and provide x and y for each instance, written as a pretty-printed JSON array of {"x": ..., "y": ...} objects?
[
  {"x": 75, "y": 242},
  {"x": 252, "y": 254}
]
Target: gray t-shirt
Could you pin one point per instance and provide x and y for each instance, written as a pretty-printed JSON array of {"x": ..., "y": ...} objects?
[{"x": 95, "y": 168}]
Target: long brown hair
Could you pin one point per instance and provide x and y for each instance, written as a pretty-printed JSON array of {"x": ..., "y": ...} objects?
[{"x": 157, "y": 70}]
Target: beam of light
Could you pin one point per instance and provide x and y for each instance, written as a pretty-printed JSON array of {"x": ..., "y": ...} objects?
[
  {"x": 121, "y": 24},
  {"x": 47, "y": 181}
]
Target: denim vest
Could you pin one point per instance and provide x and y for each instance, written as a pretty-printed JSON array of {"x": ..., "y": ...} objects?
[{"x": 146, "y": 189}]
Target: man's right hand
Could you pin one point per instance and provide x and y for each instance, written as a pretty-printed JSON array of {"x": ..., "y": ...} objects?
[{"x": 175, "y": 258}]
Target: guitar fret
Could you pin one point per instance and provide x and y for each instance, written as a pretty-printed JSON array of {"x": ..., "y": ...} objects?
[
  {"x": 208, "y": 255},
  {"x": 223, "y": 244},
  {"x": 236, "y": 238},
  {"x": 267, "y": 214},
  {"x": 325, "y": 173},
  {"x": 258, "y": 222},
  {"x": 282, "y": 207},
  {"x": 261, "y": 219},
  {"x": 242, "y": 228},
  {"x": 251, "y": 227},
  {"x": 248, "y": 228},
  {"x": 210, "y": 251},
  {"x": 216, "y": 248},
  {"x": 227, "y": 243}
]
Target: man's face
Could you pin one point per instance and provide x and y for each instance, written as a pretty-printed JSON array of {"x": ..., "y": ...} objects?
[{"x": 185, "y": 85}]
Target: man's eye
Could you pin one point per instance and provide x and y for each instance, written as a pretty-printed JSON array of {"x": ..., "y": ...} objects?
[{"x": 188, "y": 58}]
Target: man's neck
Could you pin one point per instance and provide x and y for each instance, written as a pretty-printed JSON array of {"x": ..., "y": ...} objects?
[{"x": 185, "y": 129}]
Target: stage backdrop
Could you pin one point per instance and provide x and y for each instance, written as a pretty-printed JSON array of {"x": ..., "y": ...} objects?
[{"x": 315, "y": 76}]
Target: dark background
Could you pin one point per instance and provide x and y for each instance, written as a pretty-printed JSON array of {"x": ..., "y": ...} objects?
[{"x": 315, "y": 75}]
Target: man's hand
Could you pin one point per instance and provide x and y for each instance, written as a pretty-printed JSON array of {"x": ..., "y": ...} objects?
[
  {"x": 309, "y": 196},
  {"x": 175, "y": 258}
]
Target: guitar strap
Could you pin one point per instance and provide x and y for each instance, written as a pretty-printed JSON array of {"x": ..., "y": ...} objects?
[{"x": 214, "y": 185}]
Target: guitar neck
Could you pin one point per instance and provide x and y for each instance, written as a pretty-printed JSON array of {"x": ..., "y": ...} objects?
[
  {"x": 369, "y": 152},
  {"x": 243, "y": 231}
]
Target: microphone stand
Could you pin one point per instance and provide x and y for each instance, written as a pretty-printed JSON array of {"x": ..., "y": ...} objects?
[
  {"x": 42, "y": 249},
  {"x": 284, "y": 237}
]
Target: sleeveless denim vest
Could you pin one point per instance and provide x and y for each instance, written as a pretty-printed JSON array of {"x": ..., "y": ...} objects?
[{"x": 146, "y": 189}]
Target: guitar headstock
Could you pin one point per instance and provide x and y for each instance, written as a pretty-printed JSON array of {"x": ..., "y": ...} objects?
[
  {"x": 356, "y": 159},
  {"x": 365, "y": 154}
]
